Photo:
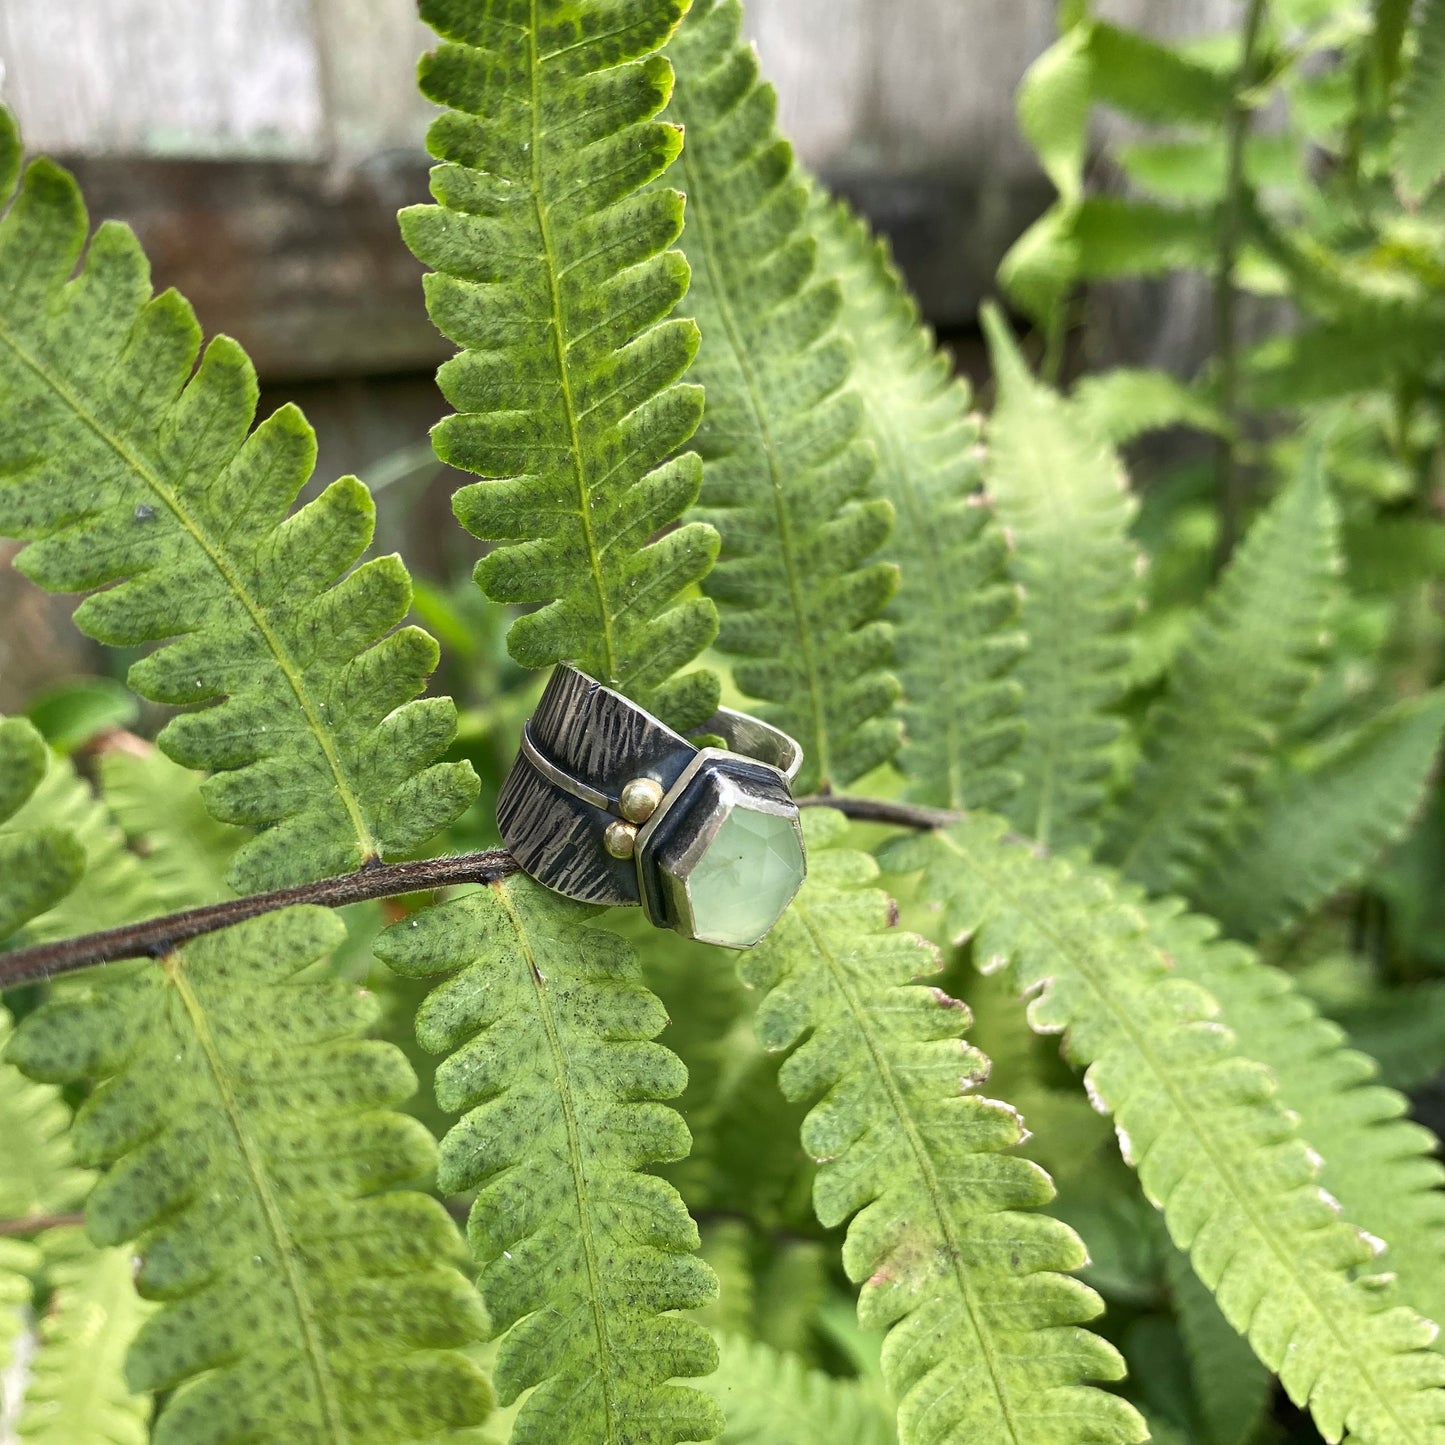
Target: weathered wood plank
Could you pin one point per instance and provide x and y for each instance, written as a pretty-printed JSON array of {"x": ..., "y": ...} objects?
[{"x": 164, "y": 77}]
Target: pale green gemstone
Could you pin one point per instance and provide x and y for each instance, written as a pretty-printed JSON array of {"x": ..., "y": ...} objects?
[{"x": 740, "y": 886}]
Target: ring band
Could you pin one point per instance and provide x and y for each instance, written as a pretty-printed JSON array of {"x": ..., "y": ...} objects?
[{"x": 608, "y": 805}]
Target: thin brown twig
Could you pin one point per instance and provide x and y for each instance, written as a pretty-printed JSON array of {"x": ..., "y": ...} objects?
[
  {"x": 157, "y": 937},
  {"x": 38, "y": 1223}
]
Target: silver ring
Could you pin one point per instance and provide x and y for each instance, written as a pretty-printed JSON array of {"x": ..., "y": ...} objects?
[{"x": 608, "y": 805}]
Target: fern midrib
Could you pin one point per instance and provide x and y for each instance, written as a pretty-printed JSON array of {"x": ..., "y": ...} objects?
[
  {"x": 559, "y": 348},
  {"x": 284, "y": 662},
  {"x": 936, "y": 1197},
  {"x": 998, "y": 886},
  {"x": 276, "y": 1225},
  {"x": 574, "y": 1162},
  {"x": 699, "y": 219}
]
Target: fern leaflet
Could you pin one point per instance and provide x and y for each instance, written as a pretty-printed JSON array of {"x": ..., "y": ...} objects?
[
  {"x": 785, "y": 469},
  {"x": 158, "y": 806},
  {"x": 552, "y": 273},
  {"x": 130, "y": 471},
  {"x": 1420, "y": 129},
  {"x": 1232, "y": 1388},
  {"x": 76, "y": 1393},
  {"x": 1316, "y": 830},
  {"x": 1380, "y": 1166},
  {"x": 956, "y": 610},
  {"x": 774, "y": 1399},
  {"x": 249, "y": 1132},
  {"x": 1200, "y": 1121},
  {"x": 1061, "y": 495},
  {"x": 968, "y": 1283},
  {"x": 39, "y": 864},
  {"x": 1239, "y": 676},
  {"x": 548, "y": 1032}
]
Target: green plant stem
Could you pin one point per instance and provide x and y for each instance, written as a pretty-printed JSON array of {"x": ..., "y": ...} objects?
[
  {"x": 157, "y": 937},
  {"x": 1226, "y": 328}
]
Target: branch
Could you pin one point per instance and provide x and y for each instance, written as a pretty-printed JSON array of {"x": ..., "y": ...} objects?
[
  {"x": 157, "y": 937},
  {"x": 1231, "y": 479},
  {"x": 37, "y": 1223}
]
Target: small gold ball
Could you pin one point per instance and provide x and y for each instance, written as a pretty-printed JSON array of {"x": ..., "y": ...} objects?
[
  {"x": 620, "y": 839},
  {"x": 639, "y": 799}
]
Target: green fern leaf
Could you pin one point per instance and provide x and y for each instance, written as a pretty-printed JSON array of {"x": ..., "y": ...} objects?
[
  {"x": 785, "y": 469},
  {"x": 115, "y": 887},
  {"x": 250, "y": 1134},
  {"x": 39, "y": 864},
  {"x": 130, "y": 471},
  {"x": 551, "y": 271},
  {"x": 955, "y": 612},
  {"x": 1112, "y": 237},
  {"x": 1215, "y": 1148},
  {"x": 548, "y": 1032},
  {"x": 1054, "y": 98},
  {"x": 1233, "y": 1390},
  {"x": 985, "y": 1339},
  {"x": 1061, "y": 495},
  {"x": 1154, "y": 82},
  {"x": 159, "y": 807},
  {"x": 1317, "y": 829},
  {"x": 774, "y": 1399},
  {"x": 1239, "y": 676},
  {"x": 1123, "y": 404},
  {"x": 1420, "y": 126},
  {"x": 76, "y": 1393},
  {"x": 1379, "y": 1166}
]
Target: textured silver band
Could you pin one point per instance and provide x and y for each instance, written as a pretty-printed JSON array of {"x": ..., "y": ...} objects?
[{"x": 581, "y": 746}]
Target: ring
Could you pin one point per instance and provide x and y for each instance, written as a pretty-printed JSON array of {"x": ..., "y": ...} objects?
[{"x": 608, "y": 805}]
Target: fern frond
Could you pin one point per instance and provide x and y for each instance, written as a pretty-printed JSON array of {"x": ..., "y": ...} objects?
[
  {"x": 115, "y": 887},
  {"x": 1215, "y": 1148},
  {"x": 1123, "y": 404},
  {"x": 1317, "y": 829},
  {"x": 250, "y": 1135},
  {"x": 159, "y": 807},
  {"x": 39, "y": 863},
  {"x": 551, "y": 271},
  {"x": 40, "y": 1175},
  {"x": 956, "y": 611},
  {"x": 76, "y": 1393},
  {"x": 774, "y": 1399},
  {"x": 985, "y": 1340},
  {"x": 1239, "y": 676},
  {"x": 1232, "y": 1387},
  {"x": 128, "y": 470},
  {"x": 548, "y": 1032},
  {"x": 1061, "y": 495},
  {"x": 786, "y": 471},
  {"x": 1379, "y": 1165},
  {"x": 1152, "y": 81},
  {"x": 1419, "y": 135}
]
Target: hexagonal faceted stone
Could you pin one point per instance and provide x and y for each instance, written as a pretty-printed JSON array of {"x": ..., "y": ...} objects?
[{"x": 746, "y": 877}]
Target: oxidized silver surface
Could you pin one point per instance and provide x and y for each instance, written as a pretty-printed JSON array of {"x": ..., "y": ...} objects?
[{"x": 583, "y": 745}]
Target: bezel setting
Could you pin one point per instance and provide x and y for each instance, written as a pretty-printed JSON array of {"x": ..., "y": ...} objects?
[{"x": 676, "y": 840}]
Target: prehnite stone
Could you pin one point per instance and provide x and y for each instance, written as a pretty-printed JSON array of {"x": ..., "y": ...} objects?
[{"x": 747, "y": 877}]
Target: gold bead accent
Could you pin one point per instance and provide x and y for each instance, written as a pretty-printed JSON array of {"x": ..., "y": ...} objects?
[
  {"x": 620, "y": 839},
  {"x": 639, "y": 799}
]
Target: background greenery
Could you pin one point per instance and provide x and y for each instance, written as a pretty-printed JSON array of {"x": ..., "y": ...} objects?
[{"x": 1172, "y": 642}]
